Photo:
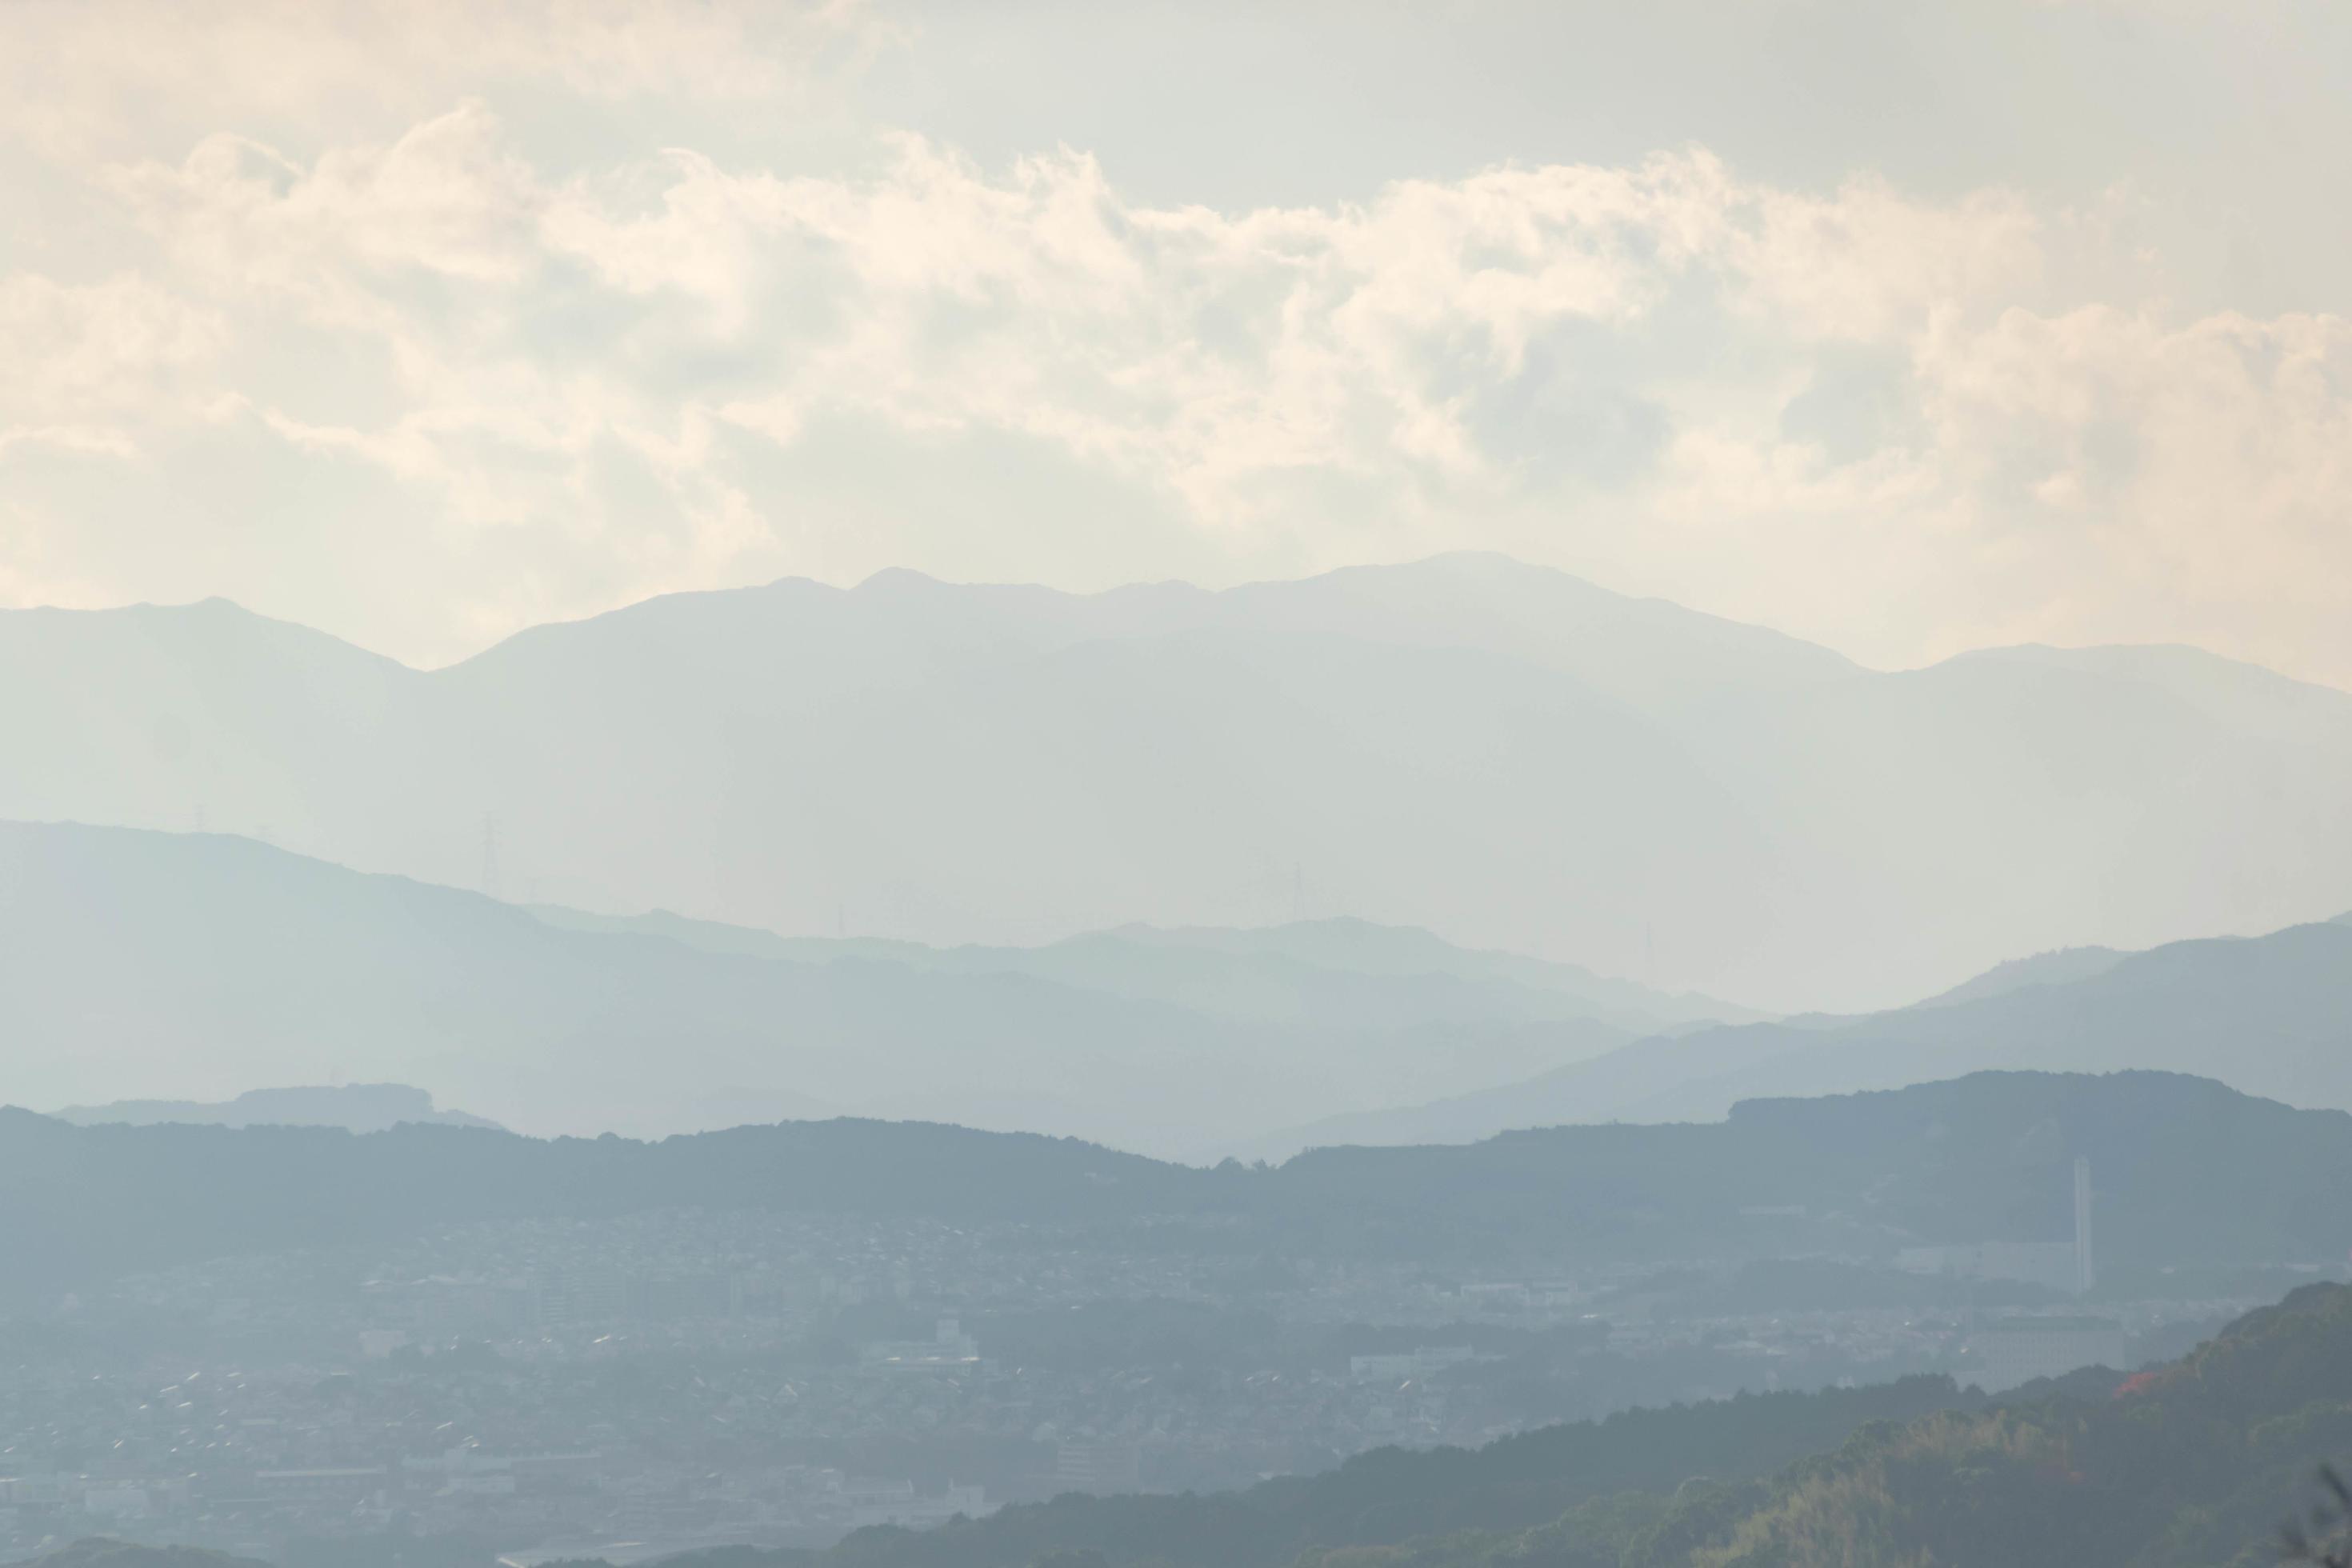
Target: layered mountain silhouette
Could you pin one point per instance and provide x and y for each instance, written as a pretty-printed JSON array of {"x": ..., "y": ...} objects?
[
  {"x": 197, "y": 964},
  {"x": 1503, "y": 754},
  {"x": 200, "y": 964},
  {"x": 2271, "y": 1015}
]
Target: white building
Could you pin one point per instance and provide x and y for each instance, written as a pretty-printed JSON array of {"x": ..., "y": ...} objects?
[
  {"x": 2059, "y": 1265},
  {"x": 1418, "y": 1363},
  {"x": 1099, "y": 1469},
  {"x": 2014, "y": 1351},
  {"x": 948, "y": 1349},
  {"x": 2050, "y": 1263},
  {"x": 896, "y": 1502}
]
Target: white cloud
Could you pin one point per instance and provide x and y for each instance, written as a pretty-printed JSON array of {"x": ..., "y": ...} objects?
[
  {"x": 100, "y": 78},
  {"x": 2212, "y": 459},
  {"x": 83, "y": 357},
  {"x": 341, "y": 236},
  {"x": 1866, "y": 263},
  {"x": 1894, "y": 422}
]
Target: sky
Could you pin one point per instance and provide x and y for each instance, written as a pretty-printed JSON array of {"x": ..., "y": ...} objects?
[{"x": 1903, "y": 328}]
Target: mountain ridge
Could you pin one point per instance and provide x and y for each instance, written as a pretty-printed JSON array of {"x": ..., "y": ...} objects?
[
  {"x": 1501, "y": 754},
  {"x": 203, "y": 964},
  {"x": 2113, "y": 1011},
  {"x": 2190, "y": 1173},
  {"x": 1319, "y": 945}
]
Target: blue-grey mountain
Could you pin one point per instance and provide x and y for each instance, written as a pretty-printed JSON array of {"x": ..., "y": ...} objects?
[
  {"x": 2271, "y": 1015},
  {"x": 200, "y": 965},
  {"x": 1502, "y": 754}
]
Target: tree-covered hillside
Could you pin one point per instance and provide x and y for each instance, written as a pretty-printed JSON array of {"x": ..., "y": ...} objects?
[
  {"x": 2188, "y": 1174},
  {"x": 1392, "y": 1495},
  {"x": 2193, "y": 1465}
]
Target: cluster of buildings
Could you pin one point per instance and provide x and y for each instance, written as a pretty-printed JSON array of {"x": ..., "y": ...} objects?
[
  {"x": 2062, "y": 1266},
  {"x": 566, "y": 1506},
  {"x": 627, "y": 1388}
]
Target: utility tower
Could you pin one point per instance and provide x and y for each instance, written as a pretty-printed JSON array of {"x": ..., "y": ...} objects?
[{"x": 2085, "y": 1274}]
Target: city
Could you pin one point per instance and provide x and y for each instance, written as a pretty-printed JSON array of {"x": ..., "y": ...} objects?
[{"x": 686, "y": 1379}]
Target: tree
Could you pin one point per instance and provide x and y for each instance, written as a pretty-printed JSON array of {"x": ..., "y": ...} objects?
[{"x": 2324, "y": 1536}]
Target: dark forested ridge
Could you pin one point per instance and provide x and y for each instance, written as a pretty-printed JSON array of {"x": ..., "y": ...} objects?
[
  {"x": 86, "y": 1202},
  {"x": 2195, "y": 1464},
  {"x": 2187, "y": 1171},
  {"x": 1392, "y": 1494}
]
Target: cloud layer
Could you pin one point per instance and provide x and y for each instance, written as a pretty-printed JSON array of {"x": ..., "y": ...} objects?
[{"x": 402, "y": 360}]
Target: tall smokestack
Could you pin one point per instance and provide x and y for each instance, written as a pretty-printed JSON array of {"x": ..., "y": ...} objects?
[{"x": 2085, "y": 1276}]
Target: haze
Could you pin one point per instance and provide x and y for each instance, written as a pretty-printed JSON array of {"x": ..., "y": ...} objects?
[{"x": 886, "y": 784}]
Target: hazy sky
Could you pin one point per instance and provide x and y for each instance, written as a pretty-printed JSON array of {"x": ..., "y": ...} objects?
[{"x": 1904, "y": 328}]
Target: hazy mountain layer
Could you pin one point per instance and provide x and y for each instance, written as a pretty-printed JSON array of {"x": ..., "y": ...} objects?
[
  {"x": 200, "y": 965},
  {"x": 2054, "y": 968},
  {"x": 2271, "y": 1015},
  {"x": 1325, "y": 972},
  {"x": 1503, "y": 754}
]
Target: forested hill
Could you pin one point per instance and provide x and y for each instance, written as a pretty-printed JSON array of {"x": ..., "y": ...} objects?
[
  {"x": 88, "y": 1202},
  {"x": 1392, "y": 1494},
  {"x": 2194, "y": 1464},
  {"x": 2187, "y": 1172}
]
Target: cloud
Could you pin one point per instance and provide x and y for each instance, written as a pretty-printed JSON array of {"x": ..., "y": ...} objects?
[
  {"x": 83, "y": 357},
  {"x": 1867, "y": 263},
  {"x": 2212, "y": 459},
  {"x": 1898, "y": 423},
  {"x": 93, "y": 78}
]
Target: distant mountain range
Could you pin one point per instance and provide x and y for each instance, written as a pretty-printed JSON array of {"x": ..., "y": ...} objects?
[
  {"x": 2271, "y": 1015},
  {"x": 354, "y": 1107},
  {"x": 201, "y": 965},
  {"x": 1500, "y": 753}
]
